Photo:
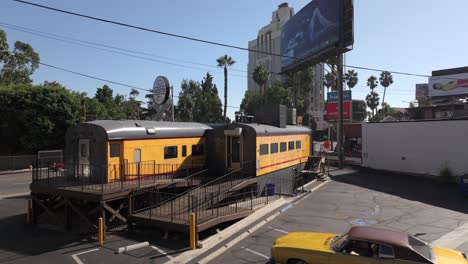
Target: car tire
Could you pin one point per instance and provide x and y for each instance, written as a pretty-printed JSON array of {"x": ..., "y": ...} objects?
[{"x": 296, "y": 261}]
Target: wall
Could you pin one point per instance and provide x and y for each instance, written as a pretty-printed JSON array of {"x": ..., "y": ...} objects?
[{"x": 416, "y": 147}]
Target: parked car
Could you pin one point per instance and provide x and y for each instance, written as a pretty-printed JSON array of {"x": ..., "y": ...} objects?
[{"x": 360, "y": 245}]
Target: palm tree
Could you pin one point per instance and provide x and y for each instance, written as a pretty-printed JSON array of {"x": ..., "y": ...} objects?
[
  {"x": 225, "y": 61},
  {"x": 386, "y": 79},
  {"x": 330, "y": 81},
  {"x": 260, "y": 76},
  {"x": 351, "y": 78},
  {"x": 372, "y": 82},
  {"x": 372, "y": 101}
]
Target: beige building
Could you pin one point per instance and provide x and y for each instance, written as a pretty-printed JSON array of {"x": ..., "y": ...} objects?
[{"x": 269, "y": 40}]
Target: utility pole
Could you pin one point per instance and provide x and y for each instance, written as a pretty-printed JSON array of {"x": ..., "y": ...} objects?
[
  {"x": 340, "y": 112},
  {"x": 172, "y": 98}
]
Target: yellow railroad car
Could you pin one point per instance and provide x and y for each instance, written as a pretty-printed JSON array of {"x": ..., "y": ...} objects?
[{"x": 108, "y": 151}]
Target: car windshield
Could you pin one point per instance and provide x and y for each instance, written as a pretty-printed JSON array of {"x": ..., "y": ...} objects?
[
  {"x": 420, "y": 247},
  {"x": 339, "y": 241}
]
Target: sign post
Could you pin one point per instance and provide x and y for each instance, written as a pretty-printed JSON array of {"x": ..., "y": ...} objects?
[{"x": 161, "y": 92}]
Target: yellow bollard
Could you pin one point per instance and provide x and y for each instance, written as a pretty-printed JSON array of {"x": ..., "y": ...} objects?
[
  {"x": 193, "y": 231},
  {"x": 101, "y": 231},
  {"x": 28, "y": 212}
]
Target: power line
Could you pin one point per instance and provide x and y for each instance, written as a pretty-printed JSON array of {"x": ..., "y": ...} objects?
[
  {"x": 104, "y": 80},
  {"x": 64, "y": 38},
  {"x": 117, "y": 52},
  {"x": 202, "y": 40}
]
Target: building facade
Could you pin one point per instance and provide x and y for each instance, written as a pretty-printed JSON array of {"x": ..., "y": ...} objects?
[{"x": 269, "y": 40}]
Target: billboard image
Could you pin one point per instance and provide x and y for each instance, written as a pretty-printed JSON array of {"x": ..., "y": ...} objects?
[
  {"x": 422, "y": 91},
  {"x": 314, "y": 28},
  {"x": 455, "y": 84}
]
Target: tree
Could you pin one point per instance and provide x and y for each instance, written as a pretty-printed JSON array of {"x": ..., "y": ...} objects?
[
  {"x": 134, "y": 93},
  {"x": 225, "y": 61},
  {"x": 330, "y": 81},
  {"x": 372, "y": 82},
  {"x": 386, "y": 79},
  {"x": 188, "y": 95},
  {"x": 351, "y": 78},
  {"x": 372, "y": 101},
  {"x": 19, "y": 65},
  {"x": 104, "y": 94},
  {"x": 208, "y": 107},
  {"x": 260, "y": 77},
  {"x": 4, "y": 53},
  {"x": 359, "y": 110}
]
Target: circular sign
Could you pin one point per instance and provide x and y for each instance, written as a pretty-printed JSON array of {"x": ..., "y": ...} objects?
[
  {"x": 326, "y": 144},
  {"x": 161, "y": 90}
]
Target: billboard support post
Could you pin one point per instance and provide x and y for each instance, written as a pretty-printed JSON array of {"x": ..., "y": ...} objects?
[{"x": 340, "y": 112}]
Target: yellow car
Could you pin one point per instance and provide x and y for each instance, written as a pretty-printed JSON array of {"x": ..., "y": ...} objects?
[{"x": 361, "y": 244}]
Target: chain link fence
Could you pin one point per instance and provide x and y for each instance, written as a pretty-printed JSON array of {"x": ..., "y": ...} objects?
[{"x": 16, "y": 162}]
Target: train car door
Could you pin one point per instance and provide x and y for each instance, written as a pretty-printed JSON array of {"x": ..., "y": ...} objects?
[
  {"x": 83, "y": 158},
  {"x": 233, "y": 157}
]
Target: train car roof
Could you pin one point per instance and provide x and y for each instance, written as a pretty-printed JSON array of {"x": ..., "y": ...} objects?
[
  {"x": 263, "y": 130},
  {"x": 141, "y": 129}
]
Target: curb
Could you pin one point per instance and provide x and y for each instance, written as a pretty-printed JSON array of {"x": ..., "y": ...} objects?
[
  {"x": 257, "y": 226},
  {"x": 14, "y": 171}
]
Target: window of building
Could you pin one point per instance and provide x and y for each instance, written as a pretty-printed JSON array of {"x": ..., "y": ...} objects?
[
  {"x": 273, "y": 148},
  {"x": 264, "y": 149},
  {"x": 184, "y": 151},
  {"x": 115, "y": 150},
  {"x": 198, "y": 150},
  {"x": 283, "y": 147},
  {"x": 170, "y": 152},
  {"x": 291, "y": 145},
  {"x": 137, "y": 155},
  {"x": 298, "y": 144}
]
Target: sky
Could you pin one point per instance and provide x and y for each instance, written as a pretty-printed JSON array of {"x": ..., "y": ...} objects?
[{"x": 416, "y": 36}]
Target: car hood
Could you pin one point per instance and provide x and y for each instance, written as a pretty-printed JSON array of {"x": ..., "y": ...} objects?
[
  {"x": 305, "y": 240},
  {"x": 448, "y": 256}
]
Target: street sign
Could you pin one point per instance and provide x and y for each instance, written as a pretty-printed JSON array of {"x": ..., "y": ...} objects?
[
  {"x": 333, "y": 96},
  {"x": 331, "y": 111}
]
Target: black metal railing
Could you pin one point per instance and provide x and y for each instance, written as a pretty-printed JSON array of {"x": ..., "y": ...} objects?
[
  {"x": 213, "y": 199},
  {"x": 113, "y": 176}
]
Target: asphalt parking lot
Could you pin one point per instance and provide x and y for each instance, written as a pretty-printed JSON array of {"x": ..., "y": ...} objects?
[
  {"x": 427, "y": 208},
  {"x": 431, "y": 209}
]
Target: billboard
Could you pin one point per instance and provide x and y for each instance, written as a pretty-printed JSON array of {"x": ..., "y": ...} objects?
[
  {"x": 447, "y": 85},
  {"x": 331, "y": 110},
  {"x": 315, "y": 30},
  {"x": 422, "y": 90}
]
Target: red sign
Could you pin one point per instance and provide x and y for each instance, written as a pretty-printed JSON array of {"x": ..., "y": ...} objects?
[
  {"x": 326, "y": 144},
  {"x": 331, "y": 112}
]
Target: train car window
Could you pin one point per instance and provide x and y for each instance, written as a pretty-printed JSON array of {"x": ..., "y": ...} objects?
[
  {"x": 283, "y": 147},
  {"x": 264, "y": 149},
  {"x": 137, "y": 155},
  {"x": 115, "y": 150},
  {"x": 298, "y": 144},
  {"x": 170, "y": 152},
  {"x": 291, "y": 145},
  {"x": 198, "y": 150},
  {"x": 273, "y": 148},
  {"x": 84, "y": 150},
  {"x": 184, "y": 151}
]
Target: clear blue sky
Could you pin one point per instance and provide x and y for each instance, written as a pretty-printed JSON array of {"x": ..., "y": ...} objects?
[{"x": 415, "y": 36}]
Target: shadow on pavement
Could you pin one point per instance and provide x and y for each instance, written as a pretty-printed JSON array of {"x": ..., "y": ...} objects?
[
  {"x": 18, "y": 240},
  {"x": 424, "y": 190}
]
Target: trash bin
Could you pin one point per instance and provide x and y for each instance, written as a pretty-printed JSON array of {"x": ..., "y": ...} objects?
[
  {"x": 270, "y": 189},
  {"x": 464, "y": 185}
]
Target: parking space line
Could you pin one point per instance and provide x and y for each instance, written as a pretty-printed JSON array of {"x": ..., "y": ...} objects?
[
  {"x": 278, "y": 230},
  {"x": 255, "y": 252},
  {"x": 75, "y": 256},
  {"x": 162, "y": 252}
]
